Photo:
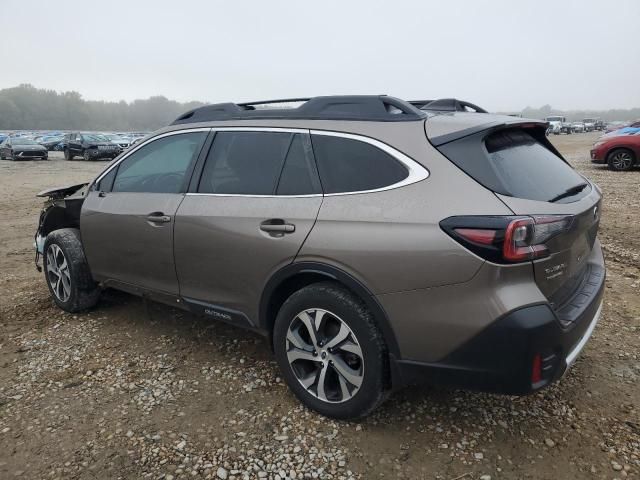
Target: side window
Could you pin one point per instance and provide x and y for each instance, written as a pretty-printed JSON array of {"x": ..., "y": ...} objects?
[
  {"x": 245, "y": 163},
  {"x": 299, "y": 175},
  {"x": 160, "y": 166},
  {"x": 106, "y": 182},
  {"x": 348, "y": 165}
]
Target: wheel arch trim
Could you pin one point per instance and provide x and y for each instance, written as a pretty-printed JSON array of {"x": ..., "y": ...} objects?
[{"x": 329, "y": 272}]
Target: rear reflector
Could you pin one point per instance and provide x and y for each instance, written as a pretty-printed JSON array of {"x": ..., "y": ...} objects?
[{"x": 536, "y": 369}]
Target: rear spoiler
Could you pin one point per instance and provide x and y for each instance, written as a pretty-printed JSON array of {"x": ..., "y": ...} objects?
[{"x": 489, "y": 127}]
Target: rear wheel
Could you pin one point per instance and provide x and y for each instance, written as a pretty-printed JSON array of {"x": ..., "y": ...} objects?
[
  {"x": 67, "y": 272},
  {"x": 86, "y": 155},
  {"x": 330, "y": 351},
  {"x": 621, "y": 159}
]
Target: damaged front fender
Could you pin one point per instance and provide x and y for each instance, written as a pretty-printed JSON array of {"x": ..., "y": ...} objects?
[{"x": 61, "y": 210}]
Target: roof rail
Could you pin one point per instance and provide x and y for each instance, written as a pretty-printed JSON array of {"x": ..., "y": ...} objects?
[
  {"x": 380, "y": 108},
  {"x": 446, "y": 105}
]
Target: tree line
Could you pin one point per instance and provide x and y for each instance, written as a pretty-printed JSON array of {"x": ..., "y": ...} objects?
[{"x": 28, "y": 108}]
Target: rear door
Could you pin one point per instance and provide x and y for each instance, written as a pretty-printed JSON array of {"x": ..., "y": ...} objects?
[
  {"x": 75, "y": 143},
  {"x": 128, "y": 217},
  {"x": 245, "y": 217}
]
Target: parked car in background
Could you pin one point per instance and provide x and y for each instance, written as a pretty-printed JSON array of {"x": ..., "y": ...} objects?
[
  {"x": 613, "y": 126},
  {"x": 589, "y": 124},
  {"x": 599, "y": 125},
  {"x": 22, "y": 148},
  {"x": 50, "y": 142},
  {"x": 122, "y": 141},
  {"x": 620, "y": 152},
  {"x": 90, "y": 146},
  {"x": 577, "y": 127},
  {"x": 357, "y": 287}
]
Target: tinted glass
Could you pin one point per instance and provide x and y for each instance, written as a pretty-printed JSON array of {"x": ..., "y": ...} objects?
[
  {"x": 527, "y": 169},
  {"x": 160, "y": 166},
  {"x": 106, "y": 183},
  {"x": 514, "y": 163},
  {"x": 245, "y": 163},
  {"x": 299, "y": 175},
  {"x": 348, "y": 165}
]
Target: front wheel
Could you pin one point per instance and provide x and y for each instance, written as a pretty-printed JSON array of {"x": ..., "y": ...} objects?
[
  {"x": 330, "y": 351},
  {"x": 86, "y": 155},
  {"x": 67, "y": 272},
  {"x": 67, "y": 154},
  {"x": 621, "y": 159}
]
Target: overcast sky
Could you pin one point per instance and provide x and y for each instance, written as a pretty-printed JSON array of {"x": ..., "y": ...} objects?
[{"x": 502, "y": 54}]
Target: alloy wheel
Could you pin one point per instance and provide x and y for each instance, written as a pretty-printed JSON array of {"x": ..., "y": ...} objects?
[
  {"x": 621, "y": 160},
  {"x": 58, "y": 273},
  {"x": 325, "y": 355}
]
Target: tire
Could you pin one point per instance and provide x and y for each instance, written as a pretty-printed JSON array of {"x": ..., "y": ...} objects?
[
  {"x": 86, "y": 156},
  {"x": 362, "y": 385},
  {"x": 67, "y": 154},
  {"x": 64, "y": 259},
  {"x": 621, "y": 159}
]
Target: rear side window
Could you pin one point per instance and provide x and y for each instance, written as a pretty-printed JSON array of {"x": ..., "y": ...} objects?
[
  {"x": 259, "y": 163},
  {"x": 348, "y": 165},
  {"x": 514, "y": 163}
]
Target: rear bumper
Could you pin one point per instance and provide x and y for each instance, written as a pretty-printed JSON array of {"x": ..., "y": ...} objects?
[{"x": 501, "y": 358}]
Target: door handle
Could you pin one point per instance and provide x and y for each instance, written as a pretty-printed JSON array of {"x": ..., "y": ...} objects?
[
  {"x": 158, "y": 218},
  {"x": 277, "y": 226}
]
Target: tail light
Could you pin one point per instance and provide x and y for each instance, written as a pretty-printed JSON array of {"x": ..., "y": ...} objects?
[{"x": 507, "y": 239}]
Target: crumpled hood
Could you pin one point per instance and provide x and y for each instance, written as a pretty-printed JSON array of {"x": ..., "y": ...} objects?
[{"x": 62, "y": 192}]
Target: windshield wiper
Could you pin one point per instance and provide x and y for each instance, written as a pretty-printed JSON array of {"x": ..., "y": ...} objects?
[{"x": 569, "y": 192}]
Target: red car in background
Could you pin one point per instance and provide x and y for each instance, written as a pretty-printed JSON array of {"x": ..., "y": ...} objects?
[
  {"x": 620, "y": 152},
  {"x": 617, "y": 126}
]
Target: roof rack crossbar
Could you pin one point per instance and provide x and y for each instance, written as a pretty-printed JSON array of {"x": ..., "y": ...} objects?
[
  {"x": 340, "y": 107},
  {"x": 446, "y": 105},
  {"x": 269, "y": 102}
]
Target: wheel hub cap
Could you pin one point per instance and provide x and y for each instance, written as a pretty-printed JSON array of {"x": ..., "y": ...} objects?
[
  {"x": 325, "y": 355},
  {"x": 58, "y": 273}
]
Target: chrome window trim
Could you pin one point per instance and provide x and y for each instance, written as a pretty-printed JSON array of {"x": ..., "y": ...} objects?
[{"x": 417, "y": 172}]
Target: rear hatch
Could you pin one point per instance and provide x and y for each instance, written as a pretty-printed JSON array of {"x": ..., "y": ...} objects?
[{"x": 514, "y": 159}]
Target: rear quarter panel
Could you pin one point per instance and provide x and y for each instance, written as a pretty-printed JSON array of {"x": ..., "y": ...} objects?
[{"x": 391, "y": 240}]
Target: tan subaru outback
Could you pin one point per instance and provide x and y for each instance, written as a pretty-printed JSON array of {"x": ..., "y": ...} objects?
[{"x": 374, "y": 242}]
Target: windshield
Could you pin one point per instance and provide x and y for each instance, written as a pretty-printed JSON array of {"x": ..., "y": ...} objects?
[
  {"x": 92, "y": 137},
  {"x": 23, "y": 141},
  {"x": 554, "y": 119}
]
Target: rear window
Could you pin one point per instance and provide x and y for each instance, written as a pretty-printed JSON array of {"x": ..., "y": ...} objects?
[{"x": 514, "y": 163}]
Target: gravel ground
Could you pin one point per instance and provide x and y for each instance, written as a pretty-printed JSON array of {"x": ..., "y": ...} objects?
[{"x": 140, "y": 390}]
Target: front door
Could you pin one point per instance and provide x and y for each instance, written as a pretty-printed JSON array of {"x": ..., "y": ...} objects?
[
  {"x": 255, "y": 203},
  {"x": 128, "y": 217}
]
